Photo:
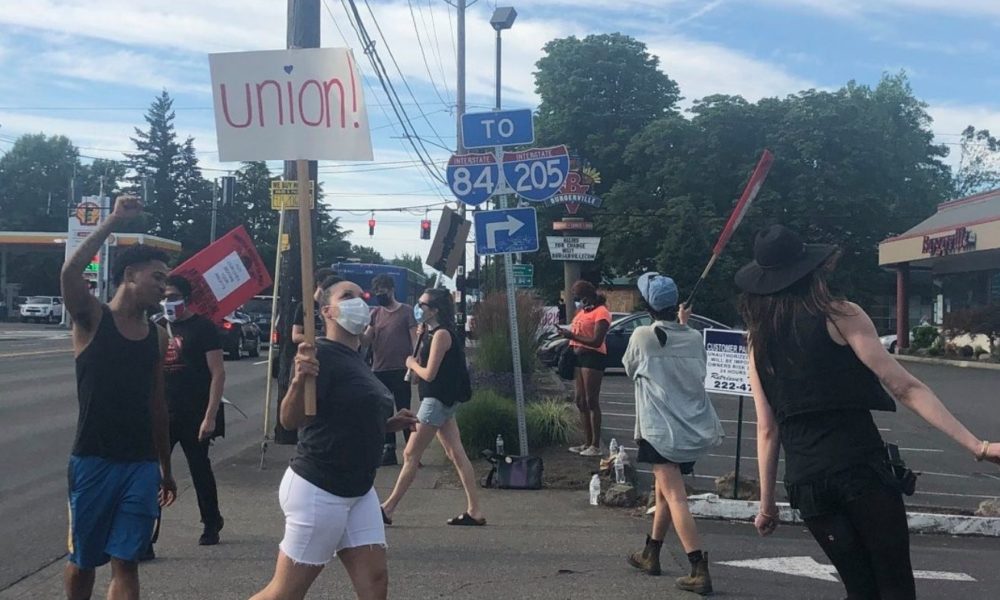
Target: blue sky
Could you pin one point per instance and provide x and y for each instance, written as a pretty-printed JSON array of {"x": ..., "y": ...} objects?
[{"x": 88, "y": 69}]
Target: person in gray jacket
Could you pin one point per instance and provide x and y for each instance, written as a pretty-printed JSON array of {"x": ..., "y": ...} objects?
[{"x": 675, "y": 421}]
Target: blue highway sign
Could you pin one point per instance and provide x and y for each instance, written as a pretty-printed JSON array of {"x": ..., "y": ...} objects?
[
  {"x": 536, "y": 175},
  {"x": 498, "y": 128},
  {"x": 506, "y": 231},
  {"x": 473, "y": 178}
]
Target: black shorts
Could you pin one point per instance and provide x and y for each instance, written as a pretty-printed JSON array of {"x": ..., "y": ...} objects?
[
  {"x": 649, "y": 455},
  {"x": 590, "y": 359}
]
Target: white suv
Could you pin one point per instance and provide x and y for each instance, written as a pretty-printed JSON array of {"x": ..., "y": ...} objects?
[{"x": 42, "y": 308}]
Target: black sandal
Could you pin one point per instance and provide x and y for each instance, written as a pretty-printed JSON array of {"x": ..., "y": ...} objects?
[
  {"x": 385, "y": 518},
  {"x": 465, "y": 519}
]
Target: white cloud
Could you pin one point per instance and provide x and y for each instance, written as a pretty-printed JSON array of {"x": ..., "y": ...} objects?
[
  {"x": 854, "y": 9},
  {"x": 126, "y": 68},
  {"x": 950, "y": 119}
]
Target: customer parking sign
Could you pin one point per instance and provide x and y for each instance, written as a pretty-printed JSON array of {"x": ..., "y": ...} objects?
[{"x": 727, "y": 362}]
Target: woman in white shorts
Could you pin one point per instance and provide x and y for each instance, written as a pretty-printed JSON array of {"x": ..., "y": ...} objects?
[
  {"x": 327, "y": 494},
  {"x": 443, "y": 384}
]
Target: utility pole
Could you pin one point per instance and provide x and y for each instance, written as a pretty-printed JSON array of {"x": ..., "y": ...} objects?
[
  {"x": 303, "y": 31},
  {"x": 215, "y": 207},
  {"x": 460, "y": 6}
]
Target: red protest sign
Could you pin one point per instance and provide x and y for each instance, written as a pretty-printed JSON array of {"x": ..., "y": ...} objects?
[{"x": 224, "y": 275}]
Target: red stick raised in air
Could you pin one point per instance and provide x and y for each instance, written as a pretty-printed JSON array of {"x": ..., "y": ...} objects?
[{"x": 739, "y": 211}]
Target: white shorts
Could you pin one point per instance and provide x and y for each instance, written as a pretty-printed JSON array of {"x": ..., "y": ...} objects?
[{"x": 319, "y": 524}]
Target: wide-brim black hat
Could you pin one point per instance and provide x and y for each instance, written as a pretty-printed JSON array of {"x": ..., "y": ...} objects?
[{"x": 780, "y": 260}]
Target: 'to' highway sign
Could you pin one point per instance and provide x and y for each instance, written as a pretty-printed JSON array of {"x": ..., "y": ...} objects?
[
  {"x": 506, "y": 231},
  {"x": 536, "y": 175},
  {"x": 497, "y": 128},
  {"x": 473, "y": 178}
]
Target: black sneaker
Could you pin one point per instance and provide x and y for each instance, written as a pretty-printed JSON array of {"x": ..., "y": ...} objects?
[
  {"x": 389, "y": 457},
  {"x": 148, "y": 555}
]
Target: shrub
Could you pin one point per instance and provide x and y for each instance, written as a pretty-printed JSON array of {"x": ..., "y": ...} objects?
[
  {"x": 965, "y": 351},
  {"x": 979, "y": 350},
  {"x": 550, "y": 422},
  {"x": 924, "y": 336},
  {"x": 484, "y": 417},
  {"x": 493, "y": 332},
  {"x": 935, "y": 351}
]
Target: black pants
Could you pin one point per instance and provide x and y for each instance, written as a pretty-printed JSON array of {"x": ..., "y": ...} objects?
[
  {"x": 401, "y": 392},
  {"x": 185, "y": 432},
  {"x": 869, "y": 543}
]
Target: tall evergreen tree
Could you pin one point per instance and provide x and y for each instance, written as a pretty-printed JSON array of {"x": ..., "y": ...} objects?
[{"x": 156, "y": 160}]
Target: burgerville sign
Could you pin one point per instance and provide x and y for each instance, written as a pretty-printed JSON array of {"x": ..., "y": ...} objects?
[{"x": 960, "y": 240}]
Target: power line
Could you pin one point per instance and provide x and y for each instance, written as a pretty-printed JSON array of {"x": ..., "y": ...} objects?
[
  {"x": 437, "y": 44},
  {"x": 423, "y": 54}
]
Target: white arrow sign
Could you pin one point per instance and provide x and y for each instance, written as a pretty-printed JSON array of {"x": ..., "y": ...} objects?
[
  {"x": 511, "y": 226},
  {"x": 806, "y": 566}
]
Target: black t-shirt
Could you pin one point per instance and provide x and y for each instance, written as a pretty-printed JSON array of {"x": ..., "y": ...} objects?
[
  {"x": 185, "y": 366},
  {"x": 341, "y": 447},
  {"x": 299, "y": 318}
]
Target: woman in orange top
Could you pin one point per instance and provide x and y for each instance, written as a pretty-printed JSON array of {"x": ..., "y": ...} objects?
[{"x": 586, "y": 338}]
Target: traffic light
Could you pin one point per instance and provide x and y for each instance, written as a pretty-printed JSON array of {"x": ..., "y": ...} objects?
[
  {"x": 228, "y": 190},
  {"x": 371, "y": 226},
  {"x": 425, "y": 229}
]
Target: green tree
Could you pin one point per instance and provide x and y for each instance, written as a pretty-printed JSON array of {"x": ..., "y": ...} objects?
[
  {"x": 101, "y": 173},
  {"x": 412, "y": 262},
  {"x": 979, "y": 166},
  {"x": 34, "y": 183},
  {"x": 156, "y": 160}
]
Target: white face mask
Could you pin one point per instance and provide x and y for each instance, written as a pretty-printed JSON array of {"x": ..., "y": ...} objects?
[
  {"x": 172, "y": 311},
  {"x": 354, "y": 315}
]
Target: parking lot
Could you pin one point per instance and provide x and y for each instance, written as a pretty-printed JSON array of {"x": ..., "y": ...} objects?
[{"x": 950, "y": 478}]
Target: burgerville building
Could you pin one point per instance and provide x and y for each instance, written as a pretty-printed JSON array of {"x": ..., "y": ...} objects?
[{"x": 948, "y": 262}]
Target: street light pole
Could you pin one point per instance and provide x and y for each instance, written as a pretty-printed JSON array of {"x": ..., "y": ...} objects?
[{"x": 503, "y": 18}]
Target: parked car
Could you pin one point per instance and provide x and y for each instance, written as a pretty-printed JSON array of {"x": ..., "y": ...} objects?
[
  {"x": 617, "y": 339},
  {"x": 259, "y": 310},
  {"x": 41, "y": 309},
  {"x": 239, "y": 334}
]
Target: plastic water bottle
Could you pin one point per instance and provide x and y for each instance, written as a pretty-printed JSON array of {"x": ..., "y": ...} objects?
[
  {"x": 595, "y": 489},
  {"x": 500, "y": 445},
  {"x": 620, "y": 461},
  {"x": 613, "y": 448}
]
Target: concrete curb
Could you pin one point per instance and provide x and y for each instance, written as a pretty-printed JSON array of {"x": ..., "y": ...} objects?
[
  {"x": 965, "y": 364},
  {"x": 710, "y": 506}
]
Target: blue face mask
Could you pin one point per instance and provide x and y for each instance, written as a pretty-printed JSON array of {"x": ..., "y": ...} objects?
[{"x": 418, "y": 313}]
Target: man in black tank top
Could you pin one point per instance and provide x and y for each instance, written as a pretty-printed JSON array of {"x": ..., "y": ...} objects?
[{"x": 119, "y": 470}]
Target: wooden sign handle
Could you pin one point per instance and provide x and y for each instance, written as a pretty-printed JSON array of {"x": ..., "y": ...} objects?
[{"x": 306, "y": 248}]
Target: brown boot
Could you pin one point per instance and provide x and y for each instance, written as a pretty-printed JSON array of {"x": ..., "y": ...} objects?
[
  {"x": 699, "y": 581},
  {"x": 648, "y": 559}
]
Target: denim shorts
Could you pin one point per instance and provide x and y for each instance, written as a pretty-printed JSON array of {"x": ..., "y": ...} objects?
[{"x": 435, "y": 413}]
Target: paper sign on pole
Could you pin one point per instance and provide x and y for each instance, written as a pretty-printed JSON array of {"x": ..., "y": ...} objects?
[
  {"x": 224, "y": 275},
  {"x": 727, "y": 362},
  {"x": 285, "y": 195},
  {"x": 303, "y": 104},
  {"x": 573, "y": 248}
]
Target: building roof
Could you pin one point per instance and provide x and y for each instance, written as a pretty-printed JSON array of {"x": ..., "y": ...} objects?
[{"x": 973, "y": 210}]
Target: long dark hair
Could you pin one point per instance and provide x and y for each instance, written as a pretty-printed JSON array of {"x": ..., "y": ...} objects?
[
  {"x": 775, "y": 319},
  {"x": 441, "y": 300}
]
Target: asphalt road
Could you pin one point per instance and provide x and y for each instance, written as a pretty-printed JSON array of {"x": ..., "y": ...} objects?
[
  {"x": 38, "y": 415},
  {"x": 950, "y": 477}
]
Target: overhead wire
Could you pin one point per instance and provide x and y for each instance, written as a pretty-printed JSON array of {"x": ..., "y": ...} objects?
[
  {"x": 423, "y": 55},
  {"x": 437, "y": 44}
]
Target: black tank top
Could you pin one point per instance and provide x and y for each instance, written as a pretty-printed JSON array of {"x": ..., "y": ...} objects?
[
  {"x": 446, "y": 386},
  {"x": 114, "y": 385},
  {"x": 822, "y": 395}
]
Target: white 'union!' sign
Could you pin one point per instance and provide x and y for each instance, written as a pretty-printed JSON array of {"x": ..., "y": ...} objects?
[{"x": 289, "y": 105}]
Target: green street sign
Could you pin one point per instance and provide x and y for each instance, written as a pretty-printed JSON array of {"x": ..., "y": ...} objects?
[{"x": 524, "y": 276}]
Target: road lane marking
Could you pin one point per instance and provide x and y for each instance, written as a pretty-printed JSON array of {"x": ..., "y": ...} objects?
[
  {"x": 953, "y": 495},
  {"x": 611, "y": 414},
  {"x": 922, "y": 449},
  {"x": 620, "y": 403},
  {"x": 36, "y": 353},
  {"x": 807, "y": 566},
  {"x": 263, "y": 362}
]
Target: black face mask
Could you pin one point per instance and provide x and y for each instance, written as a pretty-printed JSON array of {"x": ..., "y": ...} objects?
[{"x": 383, "y": 299}]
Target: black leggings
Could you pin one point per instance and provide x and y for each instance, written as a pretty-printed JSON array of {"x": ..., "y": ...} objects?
[{"x": 869, "y": 544}]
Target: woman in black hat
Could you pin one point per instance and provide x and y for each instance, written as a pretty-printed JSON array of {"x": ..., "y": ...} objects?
[{"x": 818, "y": 370}]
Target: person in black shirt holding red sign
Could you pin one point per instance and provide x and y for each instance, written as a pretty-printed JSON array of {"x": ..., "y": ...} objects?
[
  {"x": 195, "y": 377},
  {"x": 327, "y": 493}
]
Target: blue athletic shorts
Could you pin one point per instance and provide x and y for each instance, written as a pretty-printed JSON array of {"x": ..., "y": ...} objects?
[{"x": 113, "y": 507}]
